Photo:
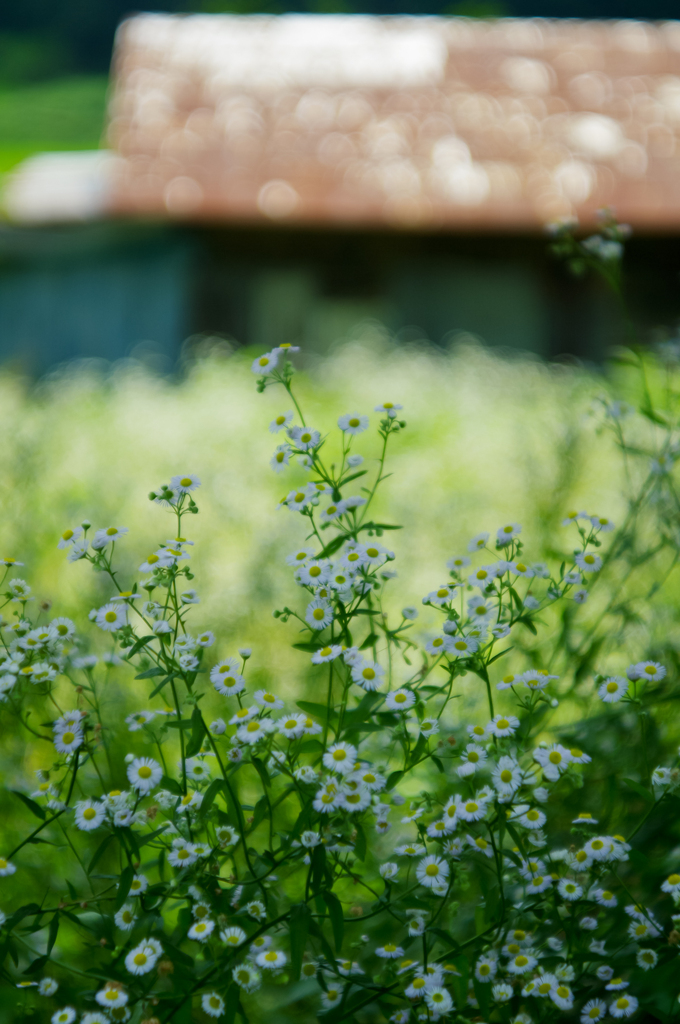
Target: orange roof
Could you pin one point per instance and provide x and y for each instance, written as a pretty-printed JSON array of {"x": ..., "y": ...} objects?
[{"x": 407, "y": 121}]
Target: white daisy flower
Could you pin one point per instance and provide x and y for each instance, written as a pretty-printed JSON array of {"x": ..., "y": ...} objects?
[
  {"x": 613, "y": 689},
  {"x": 389, "y": 408},
  {"x": 271, "y": 960},
  {"x": 507, "y": 533},
  {"x": 144, "y": 774},
  {"x": 265, "y": 364},
  {"x": 353, "y": 423},
  {"x": 503, "y": 725},
  {"x": 624, "y": 1006},
  {"x": 125, "y": 918},
  {"x": 108, "y": 535},
  {"x": 367, "y": 674},
  {"x": 400, "y": 700},
  {"x": 340, "y": 757},
  {"x": 201, "y": 930},
  {"x": 319, "y": 614},
  {"x": 65, "y": 1016},
  {"x": 281, "y": 422},
  {"x": 111, "y": 617},
  {"x": 268, "y": 700},
  {"x": 246, "y": 977},
  {"x": 141, "y": 959},
  {"x": 588, "y": 561},
  {"x": 212, "y": 1004},
  {"x": 432, "y": 870},
  {"x": 89, "y": 815}
]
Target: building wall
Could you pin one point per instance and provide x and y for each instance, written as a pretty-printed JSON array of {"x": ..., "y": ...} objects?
[
  {"x": 116, "y": 290},
  {"x": 94, "y": 291}
]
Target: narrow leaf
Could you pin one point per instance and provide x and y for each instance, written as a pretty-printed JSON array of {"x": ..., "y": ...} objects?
[
  {"x": 142, "y": 642},
  {"x": 52, "y": 934},
  {"x": 299, "y": 929},
  {"x": 150, "y": 673},
  {"x": 33, "y": 807},
  {"x": 335, "y": 913},
  {"x": 640, "y": 790}
]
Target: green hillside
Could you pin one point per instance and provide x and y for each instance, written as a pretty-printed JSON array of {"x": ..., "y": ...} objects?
[{"x": 61, "y": 114}]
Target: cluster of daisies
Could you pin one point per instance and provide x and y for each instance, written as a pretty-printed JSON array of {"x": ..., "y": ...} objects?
[{"x": 32, "y": 654}]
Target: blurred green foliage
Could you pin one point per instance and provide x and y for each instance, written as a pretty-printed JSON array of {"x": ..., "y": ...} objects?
[{"x": 60, "y": 114}]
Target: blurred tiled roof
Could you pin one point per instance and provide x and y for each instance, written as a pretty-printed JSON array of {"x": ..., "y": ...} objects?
[{"x": 403, "y": 120}]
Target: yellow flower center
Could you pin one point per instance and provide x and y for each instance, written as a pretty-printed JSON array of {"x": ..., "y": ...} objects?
[
  {"x": 68, "y": 737},
  {"x": 368, "y": 673},
  {"x": 144, "y": 772},
  {"x": 521, "y": 567},
  {"x": 318, "y": 614},
  {"x": 502, "y": 723},
  {"x": 521, "y": 961},
  {"x": 67, "y": 534},
  {"x": 674, "y": 879},
  {"x": 432, "y": 870},
  {"x": 253, "y": 726},
  {"x": 110, "y": 617},
  {"x": 506, "y": 775},
  {"x": 140, "y": 959},
  {"x": 339, "y": 755},
  {"x": 89, "y": 813}
]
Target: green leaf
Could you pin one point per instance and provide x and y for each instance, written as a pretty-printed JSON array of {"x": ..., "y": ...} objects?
[
  {"x": 299, "y": 929},
  {"x": 197, "y": 733},
  {"x": 260, "y": 813},
  {"x": 37, "y": 965},
  {"x": 231, "y": 1004},
  {"x": 150, "y": 673},
  {"x": 157, "y": 689},
  {"x": 308, "y": 647},
  {"x": 171, "y": 785},
  {"x": 640, "y": 790},
  {"x": 438, "y": 762},
  {"x": 332, "y": 547},
  {"x": 370, "y": 641},
  {"x": 393, "y": 779},
  {"x": 143, "y": 840},
  {"x": 354, "y": 476},
  {"x": 142, "y": 642},
  {"x": 319, "y": 710},
  {"x": 526, "y": 621},
  {"x": 318, "y": 865},
  {"x": 209, "y": 797},
  {"x": 28, "y": 910},
  {"x": 335, "y": 913},
  {"x": 52, "y": 934},
  {"x": 99, "y": 851},
  {"x": 445, "y": 937},
  {"x": 33, "y": 807},
  {"x": 483, "y": 994},
  {"x": 127, "y": 874},
  {"x": 261, "y": 770}
]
